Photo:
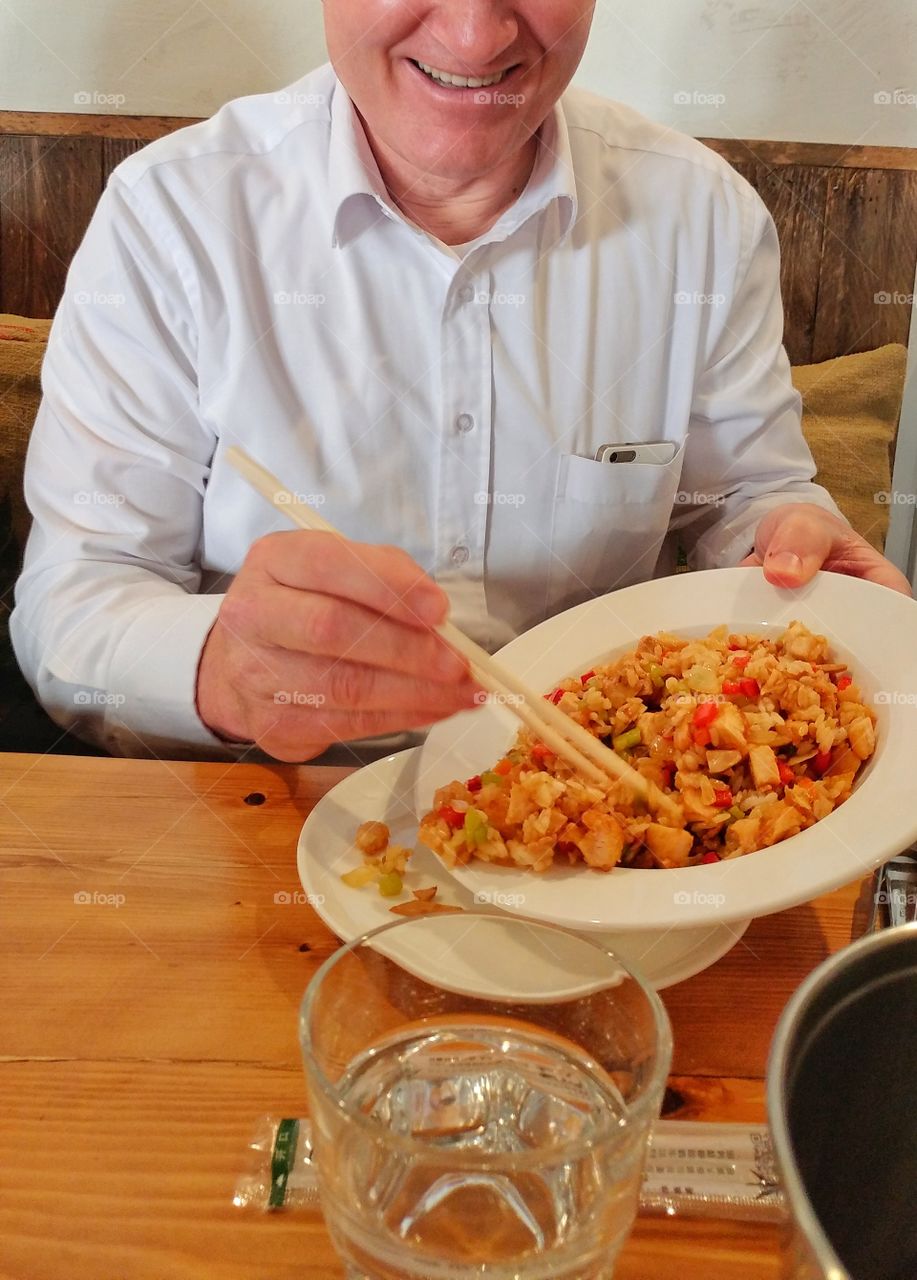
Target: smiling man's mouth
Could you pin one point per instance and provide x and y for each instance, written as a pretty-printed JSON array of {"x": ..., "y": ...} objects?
[{"x": 450, "y": 81}]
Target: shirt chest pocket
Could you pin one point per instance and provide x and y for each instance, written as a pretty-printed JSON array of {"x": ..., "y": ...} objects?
[{"x": 609, "y": 521}]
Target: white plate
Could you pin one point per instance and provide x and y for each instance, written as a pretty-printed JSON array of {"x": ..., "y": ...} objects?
[
  {"x": 384, "y": 791},
  {"x": 871, "y": 627}
]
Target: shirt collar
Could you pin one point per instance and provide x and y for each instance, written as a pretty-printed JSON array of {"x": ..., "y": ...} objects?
[{"x": 359, "y": 196}]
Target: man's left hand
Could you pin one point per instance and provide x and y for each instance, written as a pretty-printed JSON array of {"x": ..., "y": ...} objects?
[{"x": 794, "y": 541}]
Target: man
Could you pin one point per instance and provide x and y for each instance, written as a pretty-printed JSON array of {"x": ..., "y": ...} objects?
[{"x": 424, "y": 290}]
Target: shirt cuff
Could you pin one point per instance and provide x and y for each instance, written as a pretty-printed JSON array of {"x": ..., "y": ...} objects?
[
  {"x": 152, "y": 680},
  {"x": 727, "y": 544}
]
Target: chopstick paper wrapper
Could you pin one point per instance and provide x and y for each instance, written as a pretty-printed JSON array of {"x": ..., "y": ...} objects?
[{"x": 693, "y": 1170}]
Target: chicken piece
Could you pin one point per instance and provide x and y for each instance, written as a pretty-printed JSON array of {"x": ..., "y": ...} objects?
[
  {"x": 728, "y": 729},
  {"x": 764, "y": 770},
  {"x": 669, "y": 845},
  {"x": 779, "y": 821},
  {"x": 862, "y": 735},
  {"x": 720, "y": 761},
  {"x": 372, "y": 838},
  {"x": 743, "y": 836},
  {"x": 603, "y": 843}
]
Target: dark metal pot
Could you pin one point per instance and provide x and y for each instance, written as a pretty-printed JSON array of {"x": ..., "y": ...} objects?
[{"x": 841, "y": 1094}]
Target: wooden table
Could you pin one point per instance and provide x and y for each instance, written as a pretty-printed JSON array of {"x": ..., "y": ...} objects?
[{"x": 145, "y": 1031}]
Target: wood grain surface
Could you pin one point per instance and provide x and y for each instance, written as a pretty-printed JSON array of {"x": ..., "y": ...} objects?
[{"x": 146, "y": 1030}]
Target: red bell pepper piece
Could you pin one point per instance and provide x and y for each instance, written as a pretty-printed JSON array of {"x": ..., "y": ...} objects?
[
  {"x": 822, "y": 762},
  {"x": 452, "y": 816},
  {"x": 786, "y": 773},
  {"x": 750, "y": 688},
  {"x": 731, "y": 686},
  {"x": 741, "y": 661},
  {"x": 541, "y": 752},
  {"x": 844, "y": 682},
  {"x": 474, "y": 784},
  {"x": 710, "y": 856},
  {"x": 722, "y": 798},
  {"x": 586, "y": 676},
  {"x": 503, "y": 767},
  {"x": 704, "y": 714}
]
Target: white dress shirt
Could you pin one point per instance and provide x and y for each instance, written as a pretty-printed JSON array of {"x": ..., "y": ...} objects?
[{"x": 249, "y": 281}]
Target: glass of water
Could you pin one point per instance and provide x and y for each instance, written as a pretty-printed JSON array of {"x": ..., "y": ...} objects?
[{"x": 482, "y": 1089}]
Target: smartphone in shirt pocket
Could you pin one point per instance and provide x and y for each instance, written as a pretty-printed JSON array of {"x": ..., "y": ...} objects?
[{"x": 610, "y": 519}]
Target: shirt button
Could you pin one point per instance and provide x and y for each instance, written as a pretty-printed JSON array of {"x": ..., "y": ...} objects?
[
  {"x": 466, "y": 294},
  {"x": 459, "y": 555},
  {"x": 464, "y": 423}
]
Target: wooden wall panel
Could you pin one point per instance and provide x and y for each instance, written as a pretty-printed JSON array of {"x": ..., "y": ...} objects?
[
  {"x": 846, "y": 218},
  {"x": 48, "y": 190}
]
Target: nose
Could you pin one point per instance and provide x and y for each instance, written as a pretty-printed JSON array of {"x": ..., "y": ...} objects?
[{"x": 477, "y": 32}]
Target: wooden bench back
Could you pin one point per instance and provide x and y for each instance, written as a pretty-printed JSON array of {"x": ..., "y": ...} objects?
[{"x": 846, "y": 218}]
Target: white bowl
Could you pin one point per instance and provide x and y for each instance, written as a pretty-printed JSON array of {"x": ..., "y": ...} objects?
[{"x": 872, "y": 628}]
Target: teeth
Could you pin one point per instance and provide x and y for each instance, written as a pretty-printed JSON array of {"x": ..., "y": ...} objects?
[{"x": 461, "y": 82}]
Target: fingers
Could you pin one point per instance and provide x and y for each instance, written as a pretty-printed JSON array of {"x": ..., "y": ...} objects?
[
  {"x": 306, "y": 622},
  {"x": 796, "y": 549},
  {"x": 384, "y": 579}
]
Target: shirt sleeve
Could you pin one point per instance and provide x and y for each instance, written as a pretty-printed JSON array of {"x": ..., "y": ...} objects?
[
  {"x": 746, "y": 453},
  {"x": 108, "y": 625}
]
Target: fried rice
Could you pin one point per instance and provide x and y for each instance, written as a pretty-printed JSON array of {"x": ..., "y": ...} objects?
[{"x": 753, "y": 737}]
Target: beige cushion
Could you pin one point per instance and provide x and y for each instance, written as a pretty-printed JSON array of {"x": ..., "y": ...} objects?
[
  {"x": 850, "y": 417},
  {"x": 22, "y": 349}
]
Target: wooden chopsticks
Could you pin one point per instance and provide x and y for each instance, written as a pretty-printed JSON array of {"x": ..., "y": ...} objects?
[{"x": 562, "y": 735}]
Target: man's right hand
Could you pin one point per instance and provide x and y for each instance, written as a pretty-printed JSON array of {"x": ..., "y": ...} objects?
[{"x": 323, "y": 640}]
